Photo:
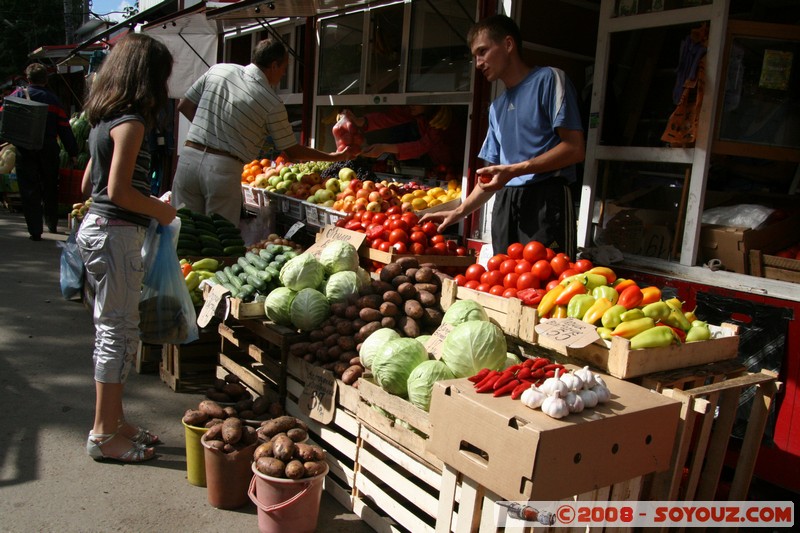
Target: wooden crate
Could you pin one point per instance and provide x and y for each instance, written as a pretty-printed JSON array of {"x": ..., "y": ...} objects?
[
  {"x": 439, "y": 260},
  {"x": 338, "y": 438},
  {"x": 617, "y": 359},
  {"x": 774, "y": 267},
  {"x": 707, "y": 416},
  {"x": 515, "y": 319},
  {"x": 191, "y": 367},
  {"x": 148, "y": 357}
]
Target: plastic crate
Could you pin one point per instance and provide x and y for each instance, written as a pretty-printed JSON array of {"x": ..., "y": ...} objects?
[
  {"x": 250, "y": 196},
  {"x": 315, "y": 215},
  {"x": 23, "y": 122},
  {"x": 293, "y": 208},
  {"x": 332, "y": 216}
]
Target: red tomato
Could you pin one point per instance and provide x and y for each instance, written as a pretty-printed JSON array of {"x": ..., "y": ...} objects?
[
  {"x": 419, "y": 237},
  {"x": 430, "y": 229},
  {"x": 417, "y": 248},
  {"x": 376, "y": 244},
  {"x": 357, "y": 215},
  {"x": 398, "y": 235},
  {"x": 186, "y": 268},
  {"x": 394, "y": 210},
  {"x": 400, "y": 247},
  {"x": 567, "y": 273},
  {"x": 460, "y": 280},
  {"x": 398, "y": 223},
  {"x": 550, "y": 254},
  {"x": 528, "y": 280},
  {"x": 522, "y": 266},
  {"x": 441, "y": 248},
  {"x": 385, "y": 246},
  {"x": 410, "y": 217},
  {"x": 474, "y": 272},
  {"x": 533, "y": 251},
  {"x": 430, "y": 250},
  {"x": 472, "y": 284},
  {"x": 510, "y": 293},
  {"x": 559, "y": 264},
  {"x": 510, "y": 280},
  {"x": 483, "y": 287},
  {"x": 508, "y": 266},
  {"x": 542, "y": 269},
  {"x": 462, "y": 251},
  {"x": 436, "y": 239},
  {"x": 515, "y": 250},
  {"x": 495, "y": 261},
  {"x": 492, "y": 277},
  {"x": 550, "y": 284},
  {"x": 366, "y": 216},
  {"x": 378, "y": 218},
  {"x": 497, "y": 290},
  {"x": 582, "y": 265}
]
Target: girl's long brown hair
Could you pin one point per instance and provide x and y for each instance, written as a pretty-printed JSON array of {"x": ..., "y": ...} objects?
[{"x": 132, "y": 79}]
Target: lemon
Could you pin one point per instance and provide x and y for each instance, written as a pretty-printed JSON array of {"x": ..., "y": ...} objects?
[
  {"x": 407, "y": 197},
  {"x": 419, "y": 204},
  {"x": 419, "y": 193}
]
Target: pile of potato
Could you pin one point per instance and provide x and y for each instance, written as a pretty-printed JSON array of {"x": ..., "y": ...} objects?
[
  {"x": 283, "y": 452},
  {"x": 210, "y": 413},
  {"x": 230, "y": 435},
  {"x": 228, "y": 390},
  {"x": 405, "y": 298}
]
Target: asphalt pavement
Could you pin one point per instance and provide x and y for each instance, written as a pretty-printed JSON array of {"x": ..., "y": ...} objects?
[{"x": 47, "y": 482}]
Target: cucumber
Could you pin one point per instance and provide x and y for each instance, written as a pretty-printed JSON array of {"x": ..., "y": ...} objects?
[
  {"x": 233, "y": 279},
  {"x": 185, "y": 211},
  {"x": 207, "y": 228},
  {"x": 222, "y": 277},
  {"x": 264, "y": 275},
  {"x": 265, "y": 255},
  {"x": 275, "y": 272},
  {"x": 255, "y": 260},
  {"x": 246, "y": 292},
  {"x": 231, "y": 242},
  {"x": 234, "y": 250},
  {"x": 236, "y": 269},
  {"x": 210, "y": 240},
  {"x": 256, "y": 282},
  {"x": 198, "y": 217},
  {"x": 223, "y": 223},
  {"x": 210, "y": 251}
]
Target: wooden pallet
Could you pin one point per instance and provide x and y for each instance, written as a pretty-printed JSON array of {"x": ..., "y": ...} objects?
[
  {"x": 693, "y": 376},
  {"x": 191, "y": 367},
  {"x": 707, "y": 416}
]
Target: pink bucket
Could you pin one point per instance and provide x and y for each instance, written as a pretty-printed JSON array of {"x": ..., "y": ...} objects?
[{"x": 286, "y": 504}]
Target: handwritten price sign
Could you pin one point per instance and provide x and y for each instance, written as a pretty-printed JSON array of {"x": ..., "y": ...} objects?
[
  {"x": 568, "y": 332},
  {"x": 318, "y": 399},
  {"x": 435, "y": 343},
  {"x": 333, "y": 233}
]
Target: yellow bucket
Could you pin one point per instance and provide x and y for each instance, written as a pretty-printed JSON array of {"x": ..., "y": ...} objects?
[{"x": 195, "y": 456}]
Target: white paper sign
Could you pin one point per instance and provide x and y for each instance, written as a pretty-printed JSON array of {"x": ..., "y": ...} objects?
[
  {"x": 212, "y": 307},
  {"x": 568, "y": 332}
]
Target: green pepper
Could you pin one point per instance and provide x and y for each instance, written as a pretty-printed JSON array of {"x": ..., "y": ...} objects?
[
  {"x": 207, "y": 263},
  {"x": 604, "y": 291},
  {"x": 632, "y": 314},
  {"x": 656, "y": 310},
  {"x": 698, "y": 332},
  {"x": 634, "y": 327},
  {"x": 591, "y": 281},
  {"x": 192, "y": 280},
  {"x": 677, "y": 319},
  {"x": 611, "y": 318},
  {"x": 579, "y": 304},
  {"x": 655, "y": 337},
  {"x": 605, "y": 333}
]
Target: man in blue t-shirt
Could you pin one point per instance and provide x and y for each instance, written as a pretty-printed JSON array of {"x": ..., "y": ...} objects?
[{"x": 534, "y": 141}]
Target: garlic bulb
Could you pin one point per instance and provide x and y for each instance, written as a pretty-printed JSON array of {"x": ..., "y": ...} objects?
[
  {"x": 554, "y": 384},
  {"x": 602, "y": 392},
  {"x": 574, "y": 402},
  {"x": 555, "y": 406},
  {"x": 533, "y": 397},
  {"x": 587, "y": 376},
  {"x": 573, "y": 382},
  {"x": 589, "y": 397},
  {"x": 598, "y": 380}
]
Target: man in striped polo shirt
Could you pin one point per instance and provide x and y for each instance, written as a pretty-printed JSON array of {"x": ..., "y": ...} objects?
[{"x": 232, "y": 110}]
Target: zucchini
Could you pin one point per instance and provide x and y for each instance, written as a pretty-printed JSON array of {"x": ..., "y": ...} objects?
[
  {"x": 233, "y": 279},
  {"x": 210, "y": 251},
  {"x": 234, "y": 250}
]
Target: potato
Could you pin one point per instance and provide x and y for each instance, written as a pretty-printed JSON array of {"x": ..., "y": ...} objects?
[
  {"x": 195, "y": 417},
  {"x": 219, "y": 383},
  {"x": 247, "y": 415},
  {"x": 262, "y": 450},
  {"x": 399, "y": 280},
  {"x": 212, "y": 409},
  {"x": 347, "y": 343},
  {"x": 345, "y": 327},
  {"x": 295, "y": 469},
  {"x": 430, "y": 287},
  {"x": 244, "y": 405},
  {"x": 367, "y": 330},
  {"x": 369, "y": 314},
  {"x": 380, "y": 287},
  {"x": 409, "y": 327},
  {"x": 338, "y": 308},
  {"x": 407, "y": 291},
  {"x": 230, "y": 411},
  {"x": 216, "y": 445},
  {"x": 388, "y": 322},
  {"x": 269, "y": 466},
  {"x": 313, "y": 468},
  {"x": 283, "y": 447},
  {"x": 232, "y": 430},
  {"x": 427, "y": 299},
  {"x": 213, "y": 422},
  {"x": 339, "y": 367},
  {"x": 352, "y": 374},
  {"x": 260, "y": 405},
  {"x": 328, "y": 328},
  {"x": 432, "y": 317},
  {"x": 299, "y": 348},
  {"x": 424, "y": 275},
  {"x": 411, "y": 273},
  {"x": 351, "y": 313},
  {"x": 394, "y": 297},
  {"x": 281, "y": 424},
  {"x": 249, "y": 435},
  {"x": 214, "y": 432},
  {"x": 413, "y": 309},
  {"x": 232, "y": 378},
  {"x": 389, "y": 309},
  {"x": 217, "y": 396},
  {"x": 297, "y": 434},
  {"x": 355, "y": 361},
  {"x": 234, "y": 390},
  {"x": 372, "y": 301},
  {"x": 408, "y": 262},
  {"x": 390, "y": 271}
]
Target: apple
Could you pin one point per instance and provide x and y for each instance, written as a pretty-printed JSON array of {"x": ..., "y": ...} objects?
[
  {"x": 386, "y": 192},
  {"x": 333, "y": 185},
  {"x": 407, "y": 206},
  {"x": 374, "y": 196},
  {"x": 328, "y": 203},
  {"x": 374, "y": 207},
  {"x": 323, "y": 195},
  {"x": 368, "y": 185},
  {"x": 347, "y": 174}
]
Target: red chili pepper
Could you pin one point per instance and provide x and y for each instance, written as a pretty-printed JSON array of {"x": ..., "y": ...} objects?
[
  {"x": 525, "y": 373},
  {"x": 540, "y": 362},
  {"x": 528, "y": 363},
  {"x": 522, "y": 387},
  {"x": 513, "y": 368},
  {"x": 479, "y": 376},
  {"x": 552, "y": 366},
  {"x": 550, "y": 374},
  {"x": 486, "y": 378},
  {"x": 508, "y": 388},
  {"x": 488, "y": 383},
  {"x": 506, "y": 376},
  {"x": 537, "y": 374}
]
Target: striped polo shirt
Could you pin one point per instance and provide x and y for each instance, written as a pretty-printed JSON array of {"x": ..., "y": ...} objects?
[{"x": 237, "y": 111}]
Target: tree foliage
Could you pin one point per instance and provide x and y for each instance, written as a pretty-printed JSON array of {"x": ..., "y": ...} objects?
[{"x": 25, "y": 25}]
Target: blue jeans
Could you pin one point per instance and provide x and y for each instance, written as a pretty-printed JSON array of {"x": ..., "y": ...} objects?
[{"x": 112, "y": 253}]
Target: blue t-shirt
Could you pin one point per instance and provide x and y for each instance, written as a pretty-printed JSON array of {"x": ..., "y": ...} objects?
[{"x": 523, "y": 122}]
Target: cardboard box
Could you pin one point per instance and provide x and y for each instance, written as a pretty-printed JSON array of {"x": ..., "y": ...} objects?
[
  {"x": 732, "y": 245},
  {"x": 522, "y": 454}
]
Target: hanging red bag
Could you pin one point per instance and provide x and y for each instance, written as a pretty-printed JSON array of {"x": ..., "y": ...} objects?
[{"x": 347, "y": 135}]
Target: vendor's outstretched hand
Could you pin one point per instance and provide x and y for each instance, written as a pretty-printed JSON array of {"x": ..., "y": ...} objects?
[{"x": 441, "y": 218}]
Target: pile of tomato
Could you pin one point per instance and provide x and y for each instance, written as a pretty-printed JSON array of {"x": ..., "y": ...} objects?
[
  {"x": 400, "y": 232},
  {"x": 524, "y": 271}
]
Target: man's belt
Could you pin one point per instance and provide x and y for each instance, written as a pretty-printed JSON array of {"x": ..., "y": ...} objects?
[{"x": 209, "y": 150}]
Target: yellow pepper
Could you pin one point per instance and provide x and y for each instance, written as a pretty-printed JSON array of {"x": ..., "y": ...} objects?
[
  {"x": 559, "y": 311},
  {"x": 634, "y": 327},
  {"x": 548, "y": 301},
  {"x": 656, "y": 310},
  {"x": 605, "y": 333},
  {"x": 677, "y": 319},
  {"x": 632, "y": 314},
  {"x": 612, "y": 317},
  {"x": 596, "y": 311}
]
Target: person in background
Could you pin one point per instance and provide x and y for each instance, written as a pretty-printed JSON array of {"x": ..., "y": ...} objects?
[
  {"x": 435, "y": 134},
  {"x": 37, "y": 170},
  {"x": 125, "y": 98},
  {"x": 232, "y": 110},
  {"x": 535, "y": 139}
]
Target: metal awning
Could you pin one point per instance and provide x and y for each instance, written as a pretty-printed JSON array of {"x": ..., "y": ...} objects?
[
  {"x": 263, "y": 9},
  {"x": 157, "y": 11}
]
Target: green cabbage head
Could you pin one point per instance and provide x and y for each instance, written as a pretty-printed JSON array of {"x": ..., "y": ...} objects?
[
  {"x": 278, "y": 305},
  {"x": 373, "y": 343},
  {"x": 338, "y": 256},
  {"x": 394, "y": 362},
  {"x": 302, "y": 272},
  {"x": 474, "y": 345},
  {"x": 421, "y": 380},
  {"x": 463, "y": 311},
  {"x": 341, "y": 285},
  {"x": 309, "y": 309}
]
